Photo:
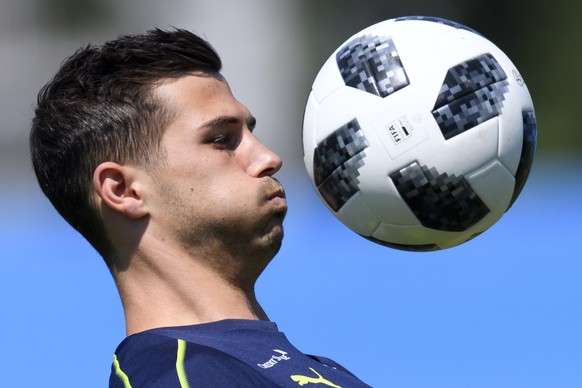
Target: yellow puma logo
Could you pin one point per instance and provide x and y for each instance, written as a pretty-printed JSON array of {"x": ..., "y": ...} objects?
[{"x": 302, "y": 380}]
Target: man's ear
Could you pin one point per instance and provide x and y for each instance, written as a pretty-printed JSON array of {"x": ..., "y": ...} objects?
[{"x": 118, "y": 188}]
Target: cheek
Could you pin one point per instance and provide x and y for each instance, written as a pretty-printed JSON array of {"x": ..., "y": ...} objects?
[
  {"x": 239, "y": 195},
  {"x": 226, "y": 192}
]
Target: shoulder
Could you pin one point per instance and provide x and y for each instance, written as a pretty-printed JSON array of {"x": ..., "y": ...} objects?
[
  {"x": 151, "y": 360},
  {"x": 331, "y": 363}
]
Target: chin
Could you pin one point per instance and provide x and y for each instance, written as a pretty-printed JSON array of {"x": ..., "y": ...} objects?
[
  {"x": 260, "y": 260},
  {"x": 276, "y": 235},
  {"x": 272, "y": 242}
]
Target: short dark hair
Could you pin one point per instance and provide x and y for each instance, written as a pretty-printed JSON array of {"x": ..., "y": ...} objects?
[{"x": 100, "y": 107}]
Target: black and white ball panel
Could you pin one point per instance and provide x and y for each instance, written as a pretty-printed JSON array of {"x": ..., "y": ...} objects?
[
  {"x": 472, "y": 93},
  {"x": 336, "y": 163},
  {"x": 371, "y": 63}
]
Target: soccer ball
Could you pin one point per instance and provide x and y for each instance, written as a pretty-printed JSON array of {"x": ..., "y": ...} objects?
[{"x": 419, "y": 133}]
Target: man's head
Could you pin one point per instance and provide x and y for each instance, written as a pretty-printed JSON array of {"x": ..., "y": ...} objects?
[
  {"x": 100, "y": 107},
  {"x": 215, "y": 197}
]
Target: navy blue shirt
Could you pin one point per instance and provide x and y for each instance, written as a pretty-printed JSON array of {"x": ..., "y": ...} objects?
[{"x": 229, "y": 353}]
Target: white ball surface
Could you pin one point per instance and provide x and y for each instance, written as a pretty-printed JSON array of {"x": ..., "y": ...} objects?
[{"x": 419, "y": 133}]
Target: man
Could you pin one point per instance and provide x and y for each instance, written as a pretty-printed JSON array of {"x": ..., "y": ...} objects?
[{"x": 141, "y": 147}]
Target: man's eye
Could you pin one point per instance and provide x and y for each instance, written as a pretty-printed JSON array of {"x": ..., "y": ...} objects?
[
  {"x": 225, "y": 141},
  {"x": 221, "y": 139}
]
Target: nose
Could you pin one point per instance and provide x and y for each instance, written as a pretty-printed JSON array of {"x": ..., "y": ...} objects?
[{"x": 261, "y": 160}]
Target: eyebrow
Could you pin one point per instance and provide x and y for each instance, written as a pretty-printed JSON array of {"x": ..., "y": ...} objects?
[{"x": 221, "y": 121}]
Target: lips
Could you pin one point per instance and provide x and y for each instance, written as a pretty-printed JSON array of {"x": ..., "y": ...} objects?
[
  {"x": 275, "y": 189},
  {"x": 276, "y": 195}
]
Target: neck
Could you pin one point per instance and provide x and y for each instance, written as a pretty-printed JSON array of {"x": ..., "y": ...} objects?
[{"x": 174, "y": 290}]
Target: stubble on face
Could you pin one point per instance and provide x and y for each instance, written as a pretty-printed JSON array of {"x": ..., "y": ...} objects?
[
  {"x": 209, "y": 203},
  {"x": 231, "y": 244}
]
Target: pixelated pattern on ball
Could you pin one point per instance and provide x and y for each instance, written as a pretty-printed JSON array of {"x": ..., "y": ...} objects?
[
  {"x": 336, "y": 163},
  {"x": 439, "y": 201},
  {"x": 530, "y": 134},
  {"x": 437, "y": 20},
  {"x": 371, "y": 64},
  {"x": 472, "y": 93}
]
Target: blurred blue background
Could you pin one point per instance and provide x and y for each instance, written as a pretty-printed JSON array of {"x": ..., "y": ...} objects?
[{"x": 503, "y": 310}]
